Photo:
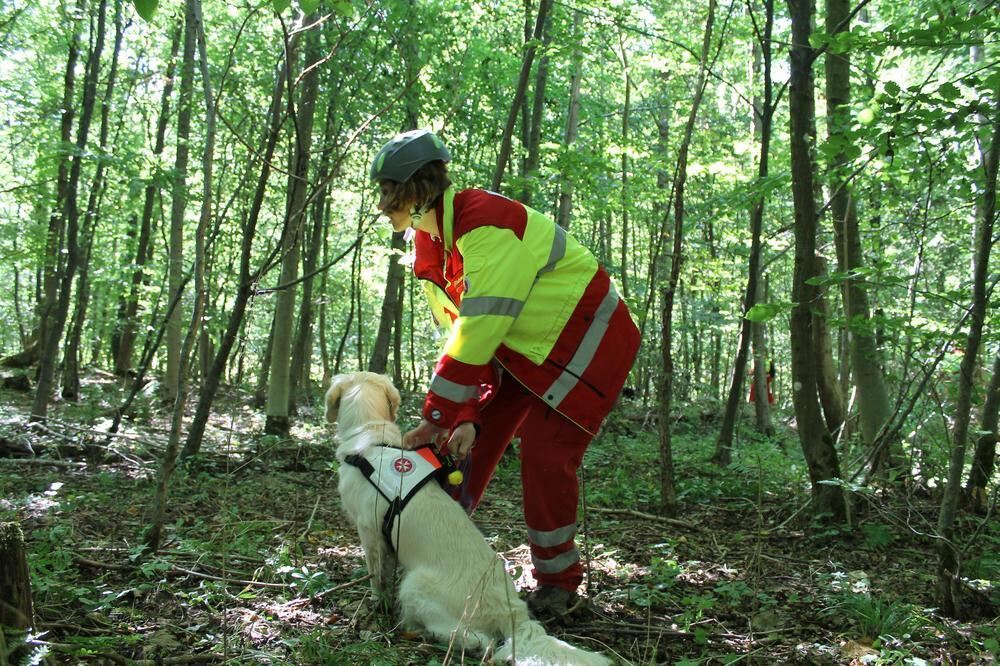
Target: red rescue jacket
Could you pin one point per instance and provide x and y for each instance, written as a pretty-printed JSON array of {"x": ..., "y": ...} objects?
[{"x": 516, "y": 289}]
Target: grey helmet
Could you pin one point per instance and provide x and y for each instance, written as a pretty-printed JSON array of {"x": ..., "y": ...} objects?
[{"x": 405, "y": 153}]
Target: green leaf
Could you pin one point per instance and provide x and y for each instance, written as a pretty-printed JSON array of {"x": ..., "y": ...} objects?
[
  {"x": 346, "y": 9},
  {"x": 281, "y": 5},
  {"x": 146, "y": 8},
  {"x": 309, "y": 6},
  {"x": 762, "y": 312},
  {"x": 949, "y": 91}
]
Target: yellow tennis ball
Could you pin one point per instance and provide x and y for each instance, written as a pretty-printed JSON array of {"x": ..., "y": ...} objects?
[{"x": 455, "y": 478}]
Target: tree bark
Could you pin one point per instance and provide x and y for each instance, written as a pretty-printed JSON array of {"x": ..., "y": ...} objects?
[
  {"x": 522, "y": 86},
  {"x": 302, "y": 349},
  {"x": 668, "y": 492},
  {"x": 949, "y": 565},
  {"x": 279, "y": 398},
  {"x": 723, "y": 446},
  {"x": 52, "y": 333},
  {"x": 247, "y": 278},
  {"x": 827, "y": 380},
  {"x": 820, "y": 455},
  {"x": 178, "y": 204},
  {"x": 129, "y": 307},
  {"x": 15, "y": 582},
  {"x": 49, "y": 293},
  {"x": 572, "y": 125},
  {"x": 71, "y": 356},
  {"x": 534, "y": 134},
  {"x": 873, "y": 397},
  {"x": 626, "y": 204},
  {"x": 986, "y": 446}
]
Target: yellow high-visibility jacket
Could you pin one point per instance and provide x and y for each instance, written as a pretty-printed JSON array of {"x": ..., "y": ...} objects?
[{"x": 516, "y": 289}]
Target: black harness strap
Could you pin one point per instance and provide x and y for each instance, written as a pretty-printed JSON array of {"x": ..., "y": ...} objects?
[{"x": 397, "y": 503}]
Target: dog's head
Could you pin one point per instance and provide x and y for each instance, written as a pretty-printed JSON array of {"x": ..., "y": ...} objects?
[{"x": 360, "y": 397}]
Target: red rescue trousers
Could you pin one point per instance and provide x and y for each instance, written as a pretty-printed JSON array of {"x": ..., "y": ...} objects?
[{"x": 552, "y": 449}]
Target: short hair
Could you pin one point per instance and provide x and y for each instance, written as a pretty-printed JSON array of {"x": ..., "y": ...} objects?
[{"x": 421, "y": 189}]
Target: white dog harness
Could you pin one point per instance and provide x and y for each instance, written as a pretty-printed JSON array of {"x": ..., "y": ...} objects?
[{"x": 397, "y": 475}]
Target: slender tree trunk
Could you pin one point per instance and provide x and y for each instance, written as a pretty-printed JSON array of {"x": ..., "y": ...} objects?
[
  {"x": 247, "y": 279},
  {"x": 57, "y": 319},
  {"x": 71, "y": 365},
  {"x": 827, "y": 383},
  {"x": 522, "y": 86},
  {"x": 949, "y": 566},
  {"x": 48, "y": 294},
  {"x": 207, "y": 198},
  {"x": 668, "y": 493},
  {"x": 129, "y": 307},
  {"x": 572, "y": 124},
  {"x": 178, "y": 204},
  {"x": 302, "y": 349},
  {"x": 534, "y": 133},
  {"x": 391, "y": 311},
  {"x": 874, "y": 408},
  {"x": 626, "y": 110},
  {"x": 820, "y": 455},
  {"x": 279, "y": 398},
  {"x": 723, "y": 446},
  {"x": 986, "y": 446}
]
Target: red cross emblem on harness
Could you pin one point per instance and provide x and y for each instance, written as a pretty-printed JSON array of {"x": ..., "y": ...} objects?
[{"x": 402, "y": 465}]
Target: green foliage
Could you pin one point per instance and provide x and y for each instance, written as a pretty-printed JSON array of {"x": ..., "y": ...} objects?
[
  {"x": 873, "y": 616},
  {"x": 146, "y": 8}
]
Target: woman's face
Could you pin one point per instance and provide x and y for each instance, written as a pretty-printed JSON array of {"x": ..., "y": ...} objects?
[{"x": 400, "y": 219}]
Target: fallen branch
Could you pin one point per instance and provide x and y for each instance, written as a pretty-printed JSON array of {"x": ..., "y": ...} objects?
[
  {"x": 176, "y": 569},
  {"x": 648, "y": 516},
  {"x": 41, "y": 462}
]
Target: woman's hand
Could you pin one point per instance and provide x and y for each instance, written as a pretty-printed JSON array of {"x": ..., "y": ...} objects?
[
  {"x": 425, "y": 433},
  {"x": 462, "y": 439}
]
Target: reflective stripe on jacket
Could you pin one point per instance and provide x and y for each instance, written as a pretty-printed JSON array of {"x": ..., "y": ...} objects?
[{"x": 516, "y": 288}]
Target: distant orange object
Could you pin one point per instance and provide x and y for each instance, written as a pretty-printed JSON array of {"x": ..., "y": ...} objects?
[{"x": 770, "y": 378}]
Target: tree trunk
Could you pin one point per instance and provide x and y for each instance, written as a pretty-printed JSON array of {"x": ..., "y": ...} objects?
[
  {"x": 986, "y": 446},
  {"x": 534, "y": 133},
  {"x": 379, "y": 360},
  {"x": 668, "y": 493},
  {"x": 820, "y": 455},
  {"x": 572, "y": 125},
  {"x": 49, "y": 293},
  {"x": 52, "y": 333},
  {"x": 178, "y": 204},
  {"x": 15, "y": 582},
  {"x": 302, "y": 349},
  {"x": 193, "y": 33},
  {"x": 949, "y": 567},
  {"x": 827, "y": 379},
  {"x": 71, "y": 365},
  {"x": 247, "y": 279},
  {"x": 522, "y": 86},
  {"x": 873, "y": 397},
  {"x": 279, "y": 398},
  {"x": 129, "y": 307},
  {"x": 723, "y": 446},
  {"x": 626, "y": 204}
]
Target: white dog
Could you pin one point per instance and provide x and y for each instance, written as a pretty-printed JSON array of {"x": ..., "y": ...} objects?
[{"x": 453, "y": 585}]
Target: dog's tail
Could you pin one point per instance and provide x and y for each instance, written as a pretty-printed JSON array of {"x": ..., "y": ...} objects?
[{"x": 532, "y": 646}]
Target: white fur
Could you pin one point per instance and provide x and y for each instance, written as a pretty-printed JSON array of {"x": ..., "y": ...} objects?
[{"x": 453, "y": 585}]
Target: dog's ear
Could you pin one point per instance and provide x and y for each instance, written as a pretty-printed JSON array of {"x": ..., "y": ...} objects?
[
  {"x": 336, "y": 389},
  {"x": 392, "y": 394}
]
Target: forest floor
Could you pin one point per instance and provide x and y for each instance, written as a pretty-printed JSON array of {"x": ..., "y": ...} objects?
[{"x": 261, "y": 566}]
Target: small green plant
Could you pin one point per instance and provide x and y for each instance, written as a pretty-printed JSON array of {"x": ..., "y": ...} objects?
[
  {"x": 305, "y": 580},
  {"x": 877, "y": 537},
  {"x": 878, "y": 618}
]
